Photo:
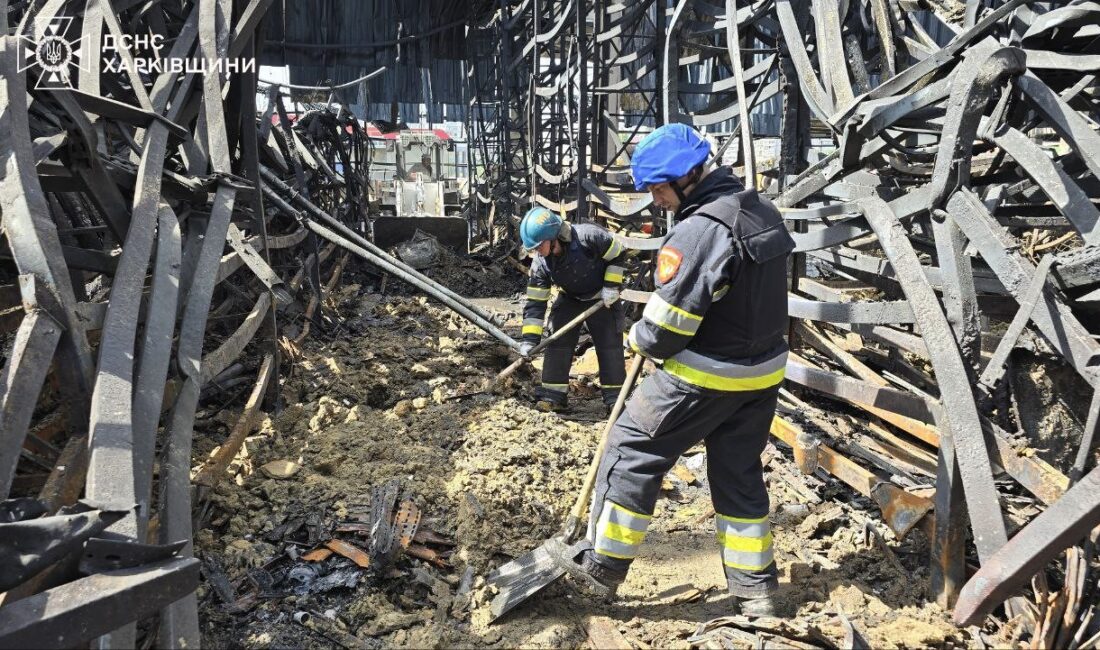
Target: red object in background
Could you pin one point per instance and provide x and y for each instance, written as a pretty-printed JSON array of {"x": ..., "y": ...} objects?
[
  {"x": 373, "y": 132},
  {"x": 647, "y": 228}
]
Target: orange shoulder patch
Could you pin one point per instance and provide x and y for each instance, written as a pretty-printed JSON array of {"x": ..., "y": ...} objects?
[{"x": 668, "y": 263}]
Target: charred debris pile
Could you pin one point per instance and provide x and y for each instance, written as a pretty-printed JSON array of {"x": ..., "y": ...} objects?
[{"x": 169, "y": 250}]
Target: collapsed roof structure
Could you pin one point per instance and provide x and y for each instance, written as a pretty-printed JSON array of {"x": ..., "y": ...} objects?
[{"x": 938, "y": 163}]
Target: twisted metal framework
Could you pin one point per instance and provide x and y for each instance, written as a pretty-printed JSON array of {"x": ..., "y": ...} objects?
[
  {"x": 161, "y": 241},
  {"x": 957, "y": 175},
  {"x": 144, "y": 273}
]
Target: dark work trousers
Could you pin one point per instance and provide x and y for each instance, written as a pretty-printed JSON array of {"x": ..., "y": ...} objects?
[
  {"x": 606, "y": 328},
  {"x": 664, "y": 418}
]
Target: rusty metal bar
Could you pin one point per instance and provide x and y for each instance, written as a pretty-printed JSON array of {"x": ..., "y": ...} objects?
[{"x": 1065, "y": 522}]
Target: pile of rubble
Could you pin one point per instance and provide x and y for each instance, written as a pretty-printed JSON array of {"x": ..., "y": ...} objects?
[{"x": 370, "y": 510}]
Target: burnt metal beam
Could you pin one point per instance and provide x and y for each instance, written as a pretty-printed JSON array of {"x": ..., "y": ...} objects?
[
  {"x": 1065, "y": 522},
  {"x": 77, "y": 612}
]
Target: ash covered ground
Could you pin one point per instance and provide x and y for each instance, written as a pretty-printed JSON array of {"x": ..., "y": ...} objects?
[{"x": 492, "y": 477}]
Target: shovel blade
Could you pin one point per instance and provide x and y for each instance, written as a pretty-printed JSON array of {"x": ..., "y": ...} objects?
[{"x": 524, "y": 576}]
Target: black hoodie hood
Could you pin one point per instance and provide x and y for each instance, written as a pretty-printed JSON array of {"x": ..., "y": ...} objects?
[{"x": 719, "y": 182}]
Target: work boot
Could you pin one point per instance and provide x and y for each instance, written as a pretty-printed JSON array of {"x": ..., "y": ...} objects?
[
  {"x": 548, "y": 406},
  {"x": 761, "y": 606},
  {"x": 608, "y": 407},
  {"x": 589, "y": 577}
]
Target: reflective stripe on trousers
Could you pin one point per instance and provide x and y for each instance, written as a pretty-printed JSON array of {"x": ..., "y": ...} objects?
[
  {"x": 532, "y": 326},
  {"x": 746, "y": 544},
  {"x": 620, "y": 532},
  {"x": 541, "y": 294},
  {"x": 704, "y": 372}
]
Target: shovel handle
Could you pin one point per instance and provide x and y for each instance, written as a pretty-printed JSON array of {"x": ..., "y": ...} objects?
[
  {"x": 573, "y": 523},
  {"x": 547, "y": 341}
]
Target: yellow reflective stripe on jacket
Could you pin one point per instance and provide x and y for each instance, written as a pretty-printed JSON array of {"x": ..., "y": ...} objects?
[
  {"x": 614, "y": 250},
  {"x": 613, "y": 274},
  {"x": 705, "y": 372},
  {"x": 632, "y": 343},
  {"x": 718, "y": 294},
  {"x": 538, "y": 293},
  {"x": 670, "y": 317}
]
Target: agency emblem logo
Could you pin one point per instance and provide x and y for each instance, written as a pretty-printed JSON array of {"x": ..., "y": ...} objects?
[
  {"x": 668, "y": 263},
  {"x": 54, "y": 55}
]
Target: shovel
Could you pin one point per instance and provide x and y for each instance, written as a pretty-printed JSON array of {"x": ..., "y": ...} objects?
[
  {"x": 521, "y": 578},
  {"x": 515, "y": 365}
]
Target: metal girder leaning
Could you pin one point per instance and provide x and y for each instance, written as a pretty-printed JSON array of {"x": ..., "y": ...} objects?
[
  {"x": 1065, "y": 522},
  {"x": 65, "y": 616},
  {"x": 961, "y": 426},
  {"x": 818, "y": 101},
  {"x": 1052, "y": 316},
  {"x": 1059, "y": 186},
  {"x": 24, "y": 372},
  {"x": 261, "y": 269},
  {"x": 994, "y": 368},
  {"x": 231, "y": 348},
  {"x": 340, "y": 234},
  {"x": 31, "y": 235},
  {"x": 179, "y": 623},
  {"x": 156, "y": 352}
]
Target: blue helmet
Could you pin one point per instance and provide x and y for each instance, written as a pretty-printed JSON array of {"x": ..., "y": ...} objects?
[
  {"x": 668, "y": 153},
  {"x": 538, "y": 225}
]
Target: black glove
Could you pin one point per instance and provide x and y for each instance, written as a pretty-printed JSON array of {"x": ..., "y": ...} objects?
[{"x": 525, "y": 348}]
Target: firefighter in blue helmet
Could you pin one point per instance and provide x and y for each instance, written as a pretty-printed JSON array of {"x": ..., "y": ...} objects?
[
  {"x": 715, "y": 328},
  {"x": 585, "y": 262}
]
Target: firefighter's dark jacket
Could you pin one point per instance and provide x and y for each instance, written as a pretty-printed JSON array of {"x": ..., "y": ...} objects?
[
  {"x": 719, "y": 313},
  {"x": 591, "y": 259}
]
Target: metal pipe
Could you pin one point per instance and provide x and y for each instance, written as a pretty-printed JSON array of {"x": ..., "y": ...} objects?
[
  {"x": 361, "y": 241},
  {"x": 387, "y": 263}
]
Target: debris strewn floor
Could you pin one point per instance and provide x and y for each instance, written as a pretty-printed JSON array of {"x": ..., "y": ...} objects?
[{"x": 493, "y": 476}]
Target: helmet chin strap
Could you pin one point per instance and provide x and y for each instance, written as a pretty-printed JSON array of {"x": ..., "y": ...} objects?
[{"x": 681, "y": 192}]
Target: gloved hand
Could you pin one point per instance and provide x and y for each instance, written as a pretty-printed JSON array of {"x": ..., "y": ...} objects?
[
  {"x": 628, "y": 342},
  {"x": 525, "y": 348},
  {"x": 609, "y": 295}
]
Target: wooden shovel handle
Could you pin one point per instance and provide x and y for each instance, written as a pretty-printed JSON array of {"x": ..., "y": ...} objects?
[
  {"x": 572, "y": 525},
  {"x": 547, "y": 341}
]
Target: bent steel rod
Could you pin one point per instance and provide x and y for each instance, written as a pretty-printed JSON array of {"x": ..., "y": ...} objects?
[
  {"x": 361, "y": 241},
  {"x": 386, "y": 263}
]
